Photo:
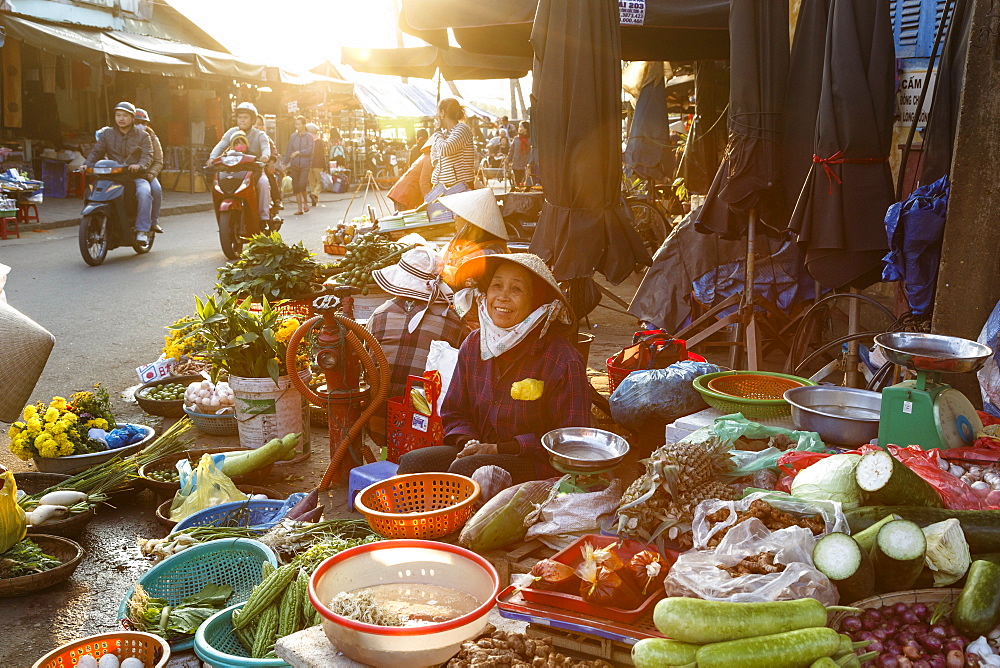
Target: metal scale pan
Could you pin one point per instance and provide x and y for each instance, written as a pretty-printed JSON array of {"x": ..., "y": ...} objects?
[{"x": 933, "y": 352}]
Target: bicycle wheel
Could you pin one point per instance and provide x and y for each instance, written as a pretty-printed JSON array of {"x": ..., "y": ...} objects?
[{"x": 648, "y": 222}]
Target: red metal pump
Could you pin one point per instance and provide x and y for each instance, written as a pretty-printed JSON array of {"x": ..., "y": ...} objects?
[{"x": 340, "y": 351}]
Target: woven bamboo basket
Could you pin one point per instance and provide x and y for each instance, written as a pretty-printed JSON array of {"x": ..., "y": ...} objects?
[
  {"x": 930, "y": 597},
  {"x": 65, "y": 550},
  {"x": 32, "y": 483}
]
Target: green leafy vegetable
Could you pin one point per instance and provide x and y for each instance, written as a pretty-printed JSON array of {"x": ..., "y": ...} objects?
[
  {"x": 25, "y": 558},
  {"x": 156, "y": 615}
]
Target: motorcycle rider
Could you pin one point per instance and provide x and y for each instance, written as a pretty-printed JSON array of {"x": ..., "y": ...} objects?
[
  {"x": 126, "y": 143},
  {"x": 142, "y": 121},
  {"x": 257, "y": 145}
]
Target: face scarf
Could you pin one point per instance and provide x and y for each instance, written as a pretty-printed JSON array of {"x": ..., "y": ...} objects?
[{"x": 495, "y": 341}]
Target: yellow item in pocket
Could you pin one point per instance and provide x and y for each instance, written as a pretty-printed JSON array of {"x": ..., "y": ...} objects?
[
  {"x": 528, "y": 389},
  {"x": 12, "y": 522}
]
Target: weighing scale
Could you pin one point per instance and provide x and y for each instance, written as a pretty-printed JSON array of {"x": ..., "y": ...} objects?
[
  {"x": 925, "y": 411},
  {"x": 586, "y": 457}
]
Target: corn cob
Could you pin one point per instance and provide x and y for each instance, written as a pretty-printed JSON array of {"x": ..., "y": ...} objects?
[
  {"x": 265, "y": 593},
  {"x": 267, "y": 627}
]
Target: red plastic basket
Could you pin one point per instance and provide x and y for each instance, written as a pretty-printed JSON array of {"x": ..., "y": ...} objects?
[
  {"x": 617, "y": 374},
  {"x": 407, "y": 429},
  {"x": 572, "y": 556}
]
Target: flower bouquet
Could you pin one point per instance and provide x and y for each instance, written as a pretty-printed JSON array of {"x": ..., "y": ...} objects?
[{"x": 61, "y": 428}]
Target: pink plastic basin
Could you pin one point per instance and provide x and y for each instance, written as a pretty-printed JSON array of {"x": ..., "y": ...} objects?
[{"x": 407, "y": 562}]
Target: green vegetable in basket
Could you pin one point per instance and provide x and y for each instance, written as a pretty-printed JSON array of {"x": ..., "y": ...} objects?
[
  {"x": 156, "y": 615},
  {"x": 25, "y": 558}
]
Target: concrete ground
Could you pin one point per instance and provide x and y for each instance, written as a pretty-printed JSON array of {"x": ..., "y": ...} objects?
[{"x": 108, "y": 320}]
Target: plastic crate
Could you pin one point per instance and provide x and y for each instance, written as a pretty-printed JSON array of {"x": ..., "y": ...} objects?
[
  {"x": 55, "y": 178},
  {"x": 261, "y": 514},
  {"x": 231, "y": 561},
  {"x": 408, "y": 429}
]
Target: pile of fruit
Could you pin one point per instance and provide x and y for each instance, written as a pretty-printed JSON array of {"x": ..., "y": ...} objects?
[
  {"x": 339, "y": 235},
  {"x": 166, "y": 475},
  {"x": 365, "y": 254},
  {"x": 165, "y": 392}
]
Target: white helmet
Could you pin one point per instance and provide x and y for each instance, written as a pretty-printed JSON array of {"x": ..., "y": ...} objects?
[{"x": 248, "y": 107}]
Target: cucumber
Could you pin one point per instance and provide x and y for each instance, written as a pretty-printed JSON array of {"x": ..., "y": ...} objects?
[
  {"x": 981, "y": 527},
  {"x": 660, "y": 652},
  {"x": 898, "y": 556},
  {"x": 977, "y": 610},
  {"x": 693, "y": 620},
  {"x": 866, "y": 538},
  {"x": 840, "y": 558},
  {"x": 791, "y": 649},
  {"x": 886, "y": 480}
]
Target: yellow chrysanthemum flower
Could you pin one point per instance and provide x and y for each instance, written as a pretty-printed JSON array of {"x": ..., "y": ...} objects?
[
  {"x": 19, "y": 450},
  {"x": 30, "y": 412},
  {"x": 98, "y": 423},
  {"x": 51, "y": 414},
  {"x": 58, "y": 403},
  {"x": 34, "y": 425},
  {"x": 48, "y": 449},
  {"x": 70, "y": 417}
]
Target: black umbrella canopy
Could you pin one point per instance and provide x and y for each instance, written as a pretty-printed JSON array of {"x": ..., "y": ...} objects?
[
  {"x": 840, "y": 214},
  {"x": 751, "y": 169},
  {"x": 805, "y": 82},
  {"x": 669, "y": 29},
  {"x": 576, "y": 124},
  {"x": 707, "y": 136},
  {"x": 423, "y": 62},
  {"x": 648, "y": 151}
]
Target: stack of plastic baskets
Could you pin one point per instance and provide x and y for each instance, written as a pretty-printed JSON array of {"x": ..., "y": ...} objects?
[
  {"x": 235, "y": 562},
  {"x": 217, "y": 645}
]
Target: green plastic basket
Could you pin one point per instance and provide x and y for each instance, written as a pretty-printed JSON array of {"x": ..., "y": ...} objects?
[
  {"x": 752, "y": 409},
  {"x": 217, "y": 645},
  {"x": 230, "y": 561}
]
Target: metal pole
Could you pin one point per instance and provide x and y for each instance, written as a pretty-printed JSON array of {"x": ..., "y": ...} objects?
[{"x": 852, "y": 377}]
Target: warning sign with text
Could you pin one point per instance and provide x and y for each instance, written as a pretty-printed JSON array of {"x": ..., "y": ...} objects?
[{"x": 911, "y": 83}]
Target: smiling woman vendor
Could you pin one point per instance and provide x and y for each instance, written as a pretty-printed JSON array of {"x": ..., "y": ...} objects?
[{"x": 517, "y": 378}]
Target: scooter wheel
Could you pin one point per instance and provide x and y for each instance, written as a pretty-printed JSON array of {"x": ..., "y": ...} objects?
[
  {"x": 93, "y": 237},
  {"x": 230, "y": 233}
]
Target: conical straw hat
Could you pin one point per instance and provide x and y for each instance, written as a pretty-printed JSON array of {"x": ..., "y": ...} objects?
[
  {"x": 480, "y": 208},
  {"x": 26, "y": 347}
]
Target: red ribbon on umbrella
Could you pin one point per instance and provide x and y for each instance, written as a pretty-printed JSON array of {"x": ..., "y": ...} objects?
[{"x": 839, "y": 159}]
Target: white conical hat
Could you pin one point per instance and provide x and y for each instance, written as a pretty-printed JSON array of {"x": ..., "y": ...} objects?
[{"x": 480, "y": 208}]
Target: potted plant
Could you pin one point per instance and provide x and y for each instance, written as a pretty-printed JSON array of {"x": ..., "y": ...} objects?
[
  {"x": 270, "y": 269},
  {"x": 250, "y": 344}
]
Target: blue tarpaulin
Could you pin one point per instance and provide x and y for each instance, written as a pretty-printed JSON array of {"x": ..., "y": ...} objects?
[{"x": 915, "y": 228}]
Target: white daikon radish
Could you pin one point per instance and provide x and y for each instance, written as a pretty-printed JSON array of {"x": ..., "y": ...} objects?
[{"x": 63, "y": 497}]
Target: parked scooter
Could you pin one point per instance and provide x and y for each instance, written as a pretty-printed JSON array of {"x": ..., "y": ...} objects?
[
  {"x": 234, "y": 193},
  {"x": 108, "y": 217}
]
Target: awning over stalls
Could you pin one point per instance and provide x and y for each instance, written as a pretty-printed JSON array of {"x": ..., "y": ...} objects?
[
  {"x": 205, "y": 60},
  {"x": 653, "y": 30},
  {"x": 398, "y": 100},
  {"x": 316, "y": 81},
  {"x": 92, "y": 46},
  {"x": 423, "y": 62}
]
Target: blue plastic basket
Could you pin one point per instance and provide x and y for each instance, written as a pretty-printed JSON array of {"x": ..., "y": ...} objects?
[
  {"x": 231, "y": 561},
  {"x": 262, "y": 514},
  {"x": 216, "y": 644}
]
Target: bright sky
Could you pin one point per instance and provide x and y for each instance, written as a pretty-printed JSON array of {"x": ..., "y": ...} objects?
[{"x": 299, "y": 34}]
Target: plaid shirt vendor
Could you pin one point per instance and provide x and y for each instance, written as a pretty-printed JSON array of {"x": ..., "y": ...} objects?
[
  {"x": 418, "y": 313},
  {"x": 517, "y": 378}
]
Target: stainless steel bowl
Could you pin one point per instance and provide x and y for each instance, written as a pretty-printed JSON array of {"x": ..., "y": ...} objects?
[
  {"x": 584, "y": 449},
  {"x": 840, "y": 415},
  {"x": 933, "y": 352}
]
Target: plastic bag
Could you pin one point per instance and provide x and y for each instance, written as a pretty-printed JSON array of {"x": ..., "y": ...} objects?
[
  {"x": 123, "y": 436},
  {"x": 731, "y": 427},
  {"x": 648, "y": 399},
  {"x": 326, "y": 181},
  {"x": 492, "y": 480},
  {"x": 697, "y": 573},
  {"x": 13, "y": 526},
  {"x": 442, "y": 358},
  {"x": 568, "y": 516},
  {"x": 287, "y": 186},
  {"x": 955, "y": 493},
  {"x": 207, "y": 486},
  {"x": 702, "y": 530},
  {"x": 989, "y": 375}
]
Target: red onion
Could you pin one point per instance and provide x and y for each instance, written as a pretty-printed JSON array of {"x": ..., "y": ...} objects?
[
  {"x": 938, "y": 661},
  {"x": 875, "y": 646},
  {"x": 912, "y": 650},
  {"x": 887, "y": 661},
  {"x": 904, "y": 637},
  {"x": 880, "y": 633},
  {"x": 900, "y": 608},
  {"x": 931, "y": 643},
  {"x": 850, "y": 625},
  {"x": 909, "y": 617},
  {"x": 973, "y": 660},
  {"x": 866, "y": 635},
  {"x": 922, "y": 611},
  {"x": 891, "y": 626},
  {"x": 921, "y": 663},
  {"x": 955, "y": 659},
  {"x": 952, "y": 646},
  {"x": 939, "y": 631},
  {"x": 905, "y": 662}
]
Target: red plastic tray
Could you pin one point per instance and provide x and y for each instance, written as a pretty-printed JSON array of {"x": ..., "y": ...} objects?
[{"x": 572, "y": 556}]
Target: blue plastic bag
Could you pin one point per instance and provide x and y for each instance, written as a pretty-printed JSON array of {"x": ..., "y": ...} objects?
[
  {"x": 659, "y": 396},
  {"x": 122, "y": 436}
]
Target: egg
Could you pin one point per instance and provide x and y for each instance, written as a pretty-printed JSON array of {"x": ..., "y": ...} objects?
[
  {"x": 109, "y": 661},
  {"x": 132, "y": 662},
  {"x": 87, "y": 661}
]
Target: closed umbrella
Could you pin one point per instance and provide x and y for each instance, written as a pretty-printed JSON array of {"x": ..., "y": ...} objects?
[
  {"x": 576, "y": 123},
  {"x": 751, "y": 169},
  {"x": 707, "y": 136},
  {"x": 648, "y": 151},
  {"x": 840, "y": 212}
]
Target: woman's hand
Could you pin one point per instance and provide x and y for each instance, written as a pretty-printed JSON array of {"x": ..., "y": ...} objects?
[{"x": 477, "y": 448}]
